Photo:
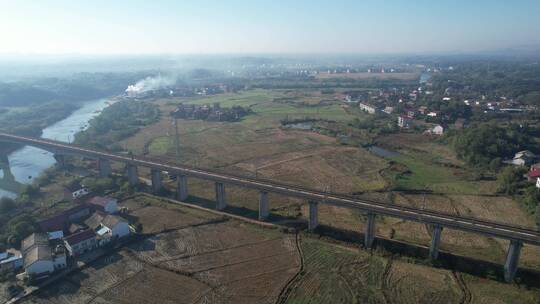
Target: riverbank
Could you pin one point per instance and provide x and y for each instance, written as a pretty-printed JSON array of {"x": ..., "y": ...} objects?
[{"x": 26, "y": 163}]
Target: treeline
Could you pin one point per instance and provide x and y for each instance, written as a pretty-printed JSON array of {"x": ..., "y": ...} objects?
[
  {"x": 488, "y": 145},
  {"x": 78, "y": 87},
  {"x": 511, "y": 182},
  {"x": 519, "y": 80},
  {"x": 310, "y": 83},
  {"x": 117, "y": 122},
  {"x": 32, "y": 121}
]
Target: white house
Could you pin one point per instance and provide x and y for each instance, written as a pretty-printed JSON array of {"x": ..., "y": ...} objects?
[
  {"x": 118, "y": 226},
  {"x": 44, "y": 260},
  {"x": 79, "y": 193},
  {"x": 522, "y": 158},
  {"x": 39, "y": 257},
  {"x": 437, "y": 130},
  {"x": 106, "y": 204},
  {"x": 388, "y": 110},
  {"x": 81, "y": 242},
  {"x": 404, "y": 121},
  {"x": 367, "y": 108}
]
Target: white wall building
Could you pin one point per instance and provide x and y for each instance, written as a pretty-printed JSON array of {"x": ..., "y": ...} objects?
[
  {"x": 437, "y": 130},
  {"x": 367, "y": 108},
  {"x": 106, "y": 204}
]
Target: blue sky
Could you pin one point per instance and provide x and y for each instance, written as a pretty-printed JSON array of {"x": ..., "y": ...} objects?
[{"x": 235, "y": 26}]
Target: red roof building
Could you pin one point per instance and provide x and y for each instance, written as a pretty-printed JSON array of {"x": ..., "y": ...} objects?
[
  {"x": 60, "y": 221},
  {"x": 534, "y": 174}
]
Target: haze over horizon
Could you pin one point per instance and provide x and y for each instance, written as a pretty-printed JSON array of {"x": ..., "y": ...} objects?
[{"x": 278, "y": 27}]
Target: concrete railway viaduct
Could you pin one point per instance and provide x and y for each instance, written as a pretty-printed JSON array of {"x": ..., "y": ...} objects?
[{"x": 518, "y": 236}]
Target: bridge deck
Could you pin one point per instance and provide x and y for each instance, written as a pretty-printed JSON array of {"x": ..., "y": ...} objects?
[{"x": 495, "y": 229}]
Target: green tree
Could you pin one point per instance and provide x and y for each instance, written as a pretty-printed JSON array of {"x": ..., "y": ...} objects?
[
  {"x": 510, "y": 180},
  {"x": 6, "y": 204},
  {"x": 30, "y": 190}
]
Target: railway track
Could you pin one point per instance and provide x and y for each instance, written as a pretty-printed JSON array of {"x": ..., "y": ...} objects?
[{"x": 425, "y": 216}]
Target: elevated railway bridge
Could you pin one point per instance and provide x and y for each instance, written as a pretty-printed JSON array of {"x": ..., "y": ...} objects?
[{"x": 518, "y": 236}]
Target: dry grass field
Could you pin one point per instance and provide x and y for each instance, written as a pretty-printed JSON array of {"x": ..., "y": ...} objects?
[
  {"x": 197, "y": 260},
  {"x": 335, "y": 274},
  {"x": 191, "y": 256},
  {"x": 257, "y": 146}
]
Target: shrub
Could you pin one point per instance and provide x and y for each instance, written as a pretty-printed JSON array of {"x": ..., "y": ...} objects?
[{"x": 6, "y": 204}]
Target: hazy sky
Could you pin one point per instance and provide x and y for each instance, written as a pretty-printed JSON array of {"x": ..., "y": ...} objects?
[{"x": 291, "y": 26}]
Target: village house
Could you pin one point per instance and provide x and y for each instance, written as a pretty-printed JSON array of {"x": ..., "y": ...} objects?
[
  {"x": 422, "y": 110},
  {"x": 367, "y": 108},
  {"x": 60, "y": 221},
  {"x": 80, "y": 242},
  {"x": 522, "y": 158},
  {"x": 10, "y": 262},
  {"x": 437, "y": 130},
  {"x": 117, "y": 227},
  {"x": 79, "y": 193},
  {"x": 105, "y": 204},
  {"x": 404, "y": 121},
  {"x": 388, "y": 110},
  {"x": 39, "y": 257},
  {"x": 534, "y": 173}
]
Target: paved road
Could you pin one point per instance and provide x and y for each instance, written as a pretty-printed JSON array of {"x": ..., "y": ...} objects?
[{"x": 495, "y": 229}]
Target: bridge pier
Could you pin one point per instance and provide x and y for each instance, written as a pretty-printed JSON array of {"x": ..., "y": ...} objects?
[
  {"x": 435, "y": 242},
  {"x": 221, "y": 201},
  {"x": 156, "y": 180},
  {"x": 60, "y": 160},
  {"x": 512, "y": 260},
  {"x": 133, "y": 175},
  {"x": 369, "y": 234},
  {"x": 313, "y": 221},
  {"x": 182, "y": 187},
  {"x": 263, "y": 205},
  {"x": 104, "y": 167}
]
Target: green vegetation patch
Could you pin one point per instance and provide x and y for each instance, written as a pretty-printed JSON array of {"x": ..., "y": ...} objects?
[{"x": 117, "y": 122}]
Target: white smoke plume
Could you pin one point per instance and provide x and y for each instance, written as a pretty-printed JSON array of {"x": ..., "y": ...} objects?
[{"x": 149, "y": 84}]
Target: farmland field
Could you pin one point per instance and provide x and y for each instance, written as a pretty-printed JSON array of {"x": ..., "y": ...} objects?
[
  {"x": 258, "y": 146},
  {"x": 187, "y": 255},
  {"x": 203, "y": 261},
  {"x": 335, "y": 274}
]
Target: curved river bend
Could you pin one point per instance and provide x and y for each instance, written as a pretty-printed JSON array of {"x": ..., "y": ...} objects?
[{"x": 28, "y": 162}]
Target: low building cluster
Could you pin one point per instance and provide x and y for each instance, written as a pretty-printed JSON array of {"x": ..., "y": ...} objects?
[
  {"x": 212, "y": 113},
  {"x": 72, "y": 233},
  {"x": 10, "y": 261}
]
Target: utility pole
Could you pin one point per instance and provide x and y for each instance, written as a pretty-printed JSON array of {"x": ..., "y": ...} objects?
[{"x": 176, "y": 138}]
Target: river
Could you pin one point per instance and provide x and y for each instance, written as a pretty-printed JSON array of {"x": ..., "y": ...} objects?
[{"x": 28, "y": 162}]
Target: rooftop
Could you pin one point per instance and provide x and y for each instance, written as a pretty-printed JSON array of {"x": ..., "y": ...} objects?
[
  {"x": 100, "y": 200},
  {"x": 112, "y": 220},
  {"x": 40, "y": 252},
  {"x": 80, "y": 237},
  {"x": 35, "y": 239},
  {"x": 59, "y": 221}
]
